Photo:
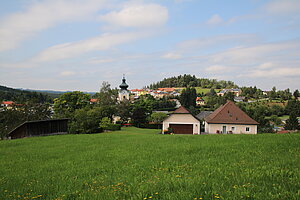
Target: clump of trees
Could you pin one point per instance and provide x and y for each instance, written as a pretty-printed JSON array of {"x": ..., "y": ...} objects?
[{"x": 187, "y": 80}]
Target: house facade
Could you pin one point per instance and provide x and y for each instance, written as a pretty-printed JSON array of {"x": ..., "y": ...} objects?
[
  {"x": 236, "y": 92},
  {"x": 229, "y": 118},
  {"x": 181, "y": 121}
]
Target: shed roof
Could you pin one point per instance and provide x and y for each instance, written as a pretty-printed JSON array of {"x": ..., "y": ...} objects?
[
  {"x": 230, "y": 113},
  {"x": 203, "y": 114}
]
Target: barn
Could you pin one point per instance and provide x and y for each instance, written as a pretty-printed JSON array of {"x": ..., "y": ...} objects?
[
  {"x": 181, "y": 121},
  {"x": 40, "y": 128}
]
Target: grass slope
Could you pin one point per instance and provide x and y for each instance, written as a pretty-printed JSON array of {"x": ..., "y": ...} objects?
[
  {"x": 205, "y": 90},
  {"x": 140, "y": 164}
]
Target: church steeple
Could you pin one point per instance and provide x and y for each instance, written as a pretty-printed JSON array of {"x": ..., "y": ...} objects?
[
  {"x": 123, "y": 92},
  {"x": 123, "y": 85}
]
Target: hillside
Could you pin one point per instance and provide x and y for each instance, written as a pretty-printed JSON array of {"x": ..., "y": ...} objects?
[
  {"x": 140, "y": 164},
  {"x": 23, "y": 96},
  {"x": 187, "y": 80}
]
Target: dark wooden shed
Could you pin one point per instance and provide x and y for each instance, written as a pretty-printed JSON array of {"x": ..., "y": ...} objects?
[{"x": 40, "y": 128}]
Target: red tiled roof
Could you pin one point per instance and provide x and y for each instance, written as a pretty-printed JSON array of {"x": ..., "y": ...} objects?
[
  {"x": 181, "y": 110},
  {"x": 229, "y": 113},
  {"x": 199, "y": 99},
  {"x": 93, "y": 100},
  {"x": 167, "y": 89},
  {"x": 8, "y": 102}
]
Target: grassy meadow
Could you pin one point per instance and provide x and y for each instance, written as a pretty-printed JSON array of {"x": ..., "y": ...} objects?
[{"x": 141, "y": 164}]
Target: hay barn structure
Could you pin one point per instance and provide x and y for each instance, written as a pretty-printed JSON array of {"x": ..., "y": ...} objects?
[{"x": 40, "y": 128}]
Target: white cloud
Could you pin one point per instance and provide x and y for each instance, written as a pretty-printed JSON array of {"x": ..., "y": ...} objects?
[
  {"x": 67, "y": 73},
  {"x": 215, "y": 20},
  {"x": 102, "y": 42},
  {"x": 138, "y": 15},
  {"x": 266, "y": 65},
  {"x": 100, "y": 61},
  {"x": 172, "y": 56},
  {"x": 218, "y": 69},
  {"x": 216, "y": 41},
  {"x": 286, "y": 7},
  {"x": 274, "y": 73},
  {"x": 40, "y": 16},
  {"x": 257, "y": 53}
]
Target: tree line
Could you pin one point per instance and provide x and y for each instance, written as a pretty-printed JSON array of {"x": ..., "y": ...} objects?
[
  {"x": 188, "y": 80},
  {"x": 22, "y": 96}
]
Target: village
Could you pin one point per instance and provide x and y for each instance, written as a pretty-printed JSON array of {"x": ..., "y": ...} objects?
[
  {"x": 175, "y": 110},
  {"x": 149, "y": 100}
]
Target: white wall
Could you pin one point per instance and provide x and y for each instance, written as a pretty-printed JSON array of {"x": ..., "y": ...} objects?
[
  {"x": 182, "y": 119},
  {"x": 238, "y": 129}
]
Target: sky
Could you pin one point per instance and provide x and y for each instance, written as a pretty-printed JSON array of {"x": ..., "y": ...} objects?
[{"x": 78, "y": 44}]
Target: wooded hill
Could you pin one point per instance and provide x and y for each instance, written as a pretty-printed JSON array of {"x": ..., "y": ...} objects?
[
  {"x": 188, "y": 80},
  {"x": 23, "y": 96}
]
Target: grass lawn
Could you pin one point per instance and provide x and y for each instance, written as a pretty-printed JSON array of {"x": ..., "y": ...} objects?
[
  {"x": 140, "y": 164},
  {"x": 205, "y": 90}
]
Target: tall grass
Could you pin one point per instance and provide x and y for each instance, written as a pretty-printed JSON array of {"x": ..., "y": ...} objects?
[{"x": 140, "y": 164}]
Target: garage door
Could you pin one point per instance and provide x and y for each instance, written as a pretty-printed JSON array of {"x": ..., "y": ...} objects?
[{"x": 182, "y": 128}]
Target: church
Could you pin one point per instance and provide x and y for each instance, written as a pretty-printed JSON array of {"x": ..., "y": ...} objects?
[{"x": 123, "y": 92}]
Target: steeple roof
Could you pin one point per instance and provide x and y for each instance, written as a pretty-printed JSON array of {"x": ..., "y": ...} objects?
[
  {"x": 123, "y": 85},
  {"x": 230, "y": 113}
]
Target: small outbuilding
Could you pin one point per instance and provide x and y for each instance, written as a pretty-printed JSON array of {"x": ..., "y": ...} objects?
[
  {"x": 181, "y": 121},
  {"x": 40, "y": 128},
  {"x": 229, "y": 118}
]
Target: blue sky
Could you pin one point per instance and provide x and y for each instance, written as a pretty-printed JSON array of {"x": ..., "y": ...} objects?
[{"x": 78, "y": 44}]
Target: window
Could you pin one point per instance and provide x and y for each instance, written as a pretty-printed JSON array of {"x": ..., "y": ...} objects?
[
  {"x": 247, "y": 129},
  {"x": 233, "y": 128}
]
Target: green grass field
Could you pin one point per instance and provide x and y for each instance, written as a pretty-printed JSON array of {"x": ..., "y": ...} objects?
[
  {"x": 205, "y": 90},
  {"x": 141, "y": 164}
]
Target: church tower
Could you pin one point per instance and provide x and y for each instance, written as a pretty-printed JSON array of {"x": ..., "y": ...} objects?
[{"x": 123, "y": 92}]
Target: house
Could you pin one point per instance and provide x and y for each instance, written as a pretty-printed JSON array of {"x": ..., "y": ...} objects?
[
  {"x": 239, "y": 99},
  {"x": 181, "y": 121},
  {"x": 203, "y": 114},
  {"x": 40, "y": 128},
  {"x": 236, "y": 92},
  {"x": 7, "y": 104},
  {"x": 229, "y": 118},
  {"x": 200, "y": 101},
  {"x": 93, "y": 101}
]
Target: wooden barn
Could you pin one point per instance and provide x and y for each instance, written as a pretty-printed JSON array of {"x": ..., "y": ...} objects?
[{"x": 40, "y": 128}]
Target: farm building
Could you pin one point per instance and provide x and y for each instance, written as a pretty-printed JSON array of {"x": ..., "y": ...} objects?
[
  {"x": 229, "y": 118},
  {"x": 181, "y": 121},
  {"x": 39, "y": 128}
]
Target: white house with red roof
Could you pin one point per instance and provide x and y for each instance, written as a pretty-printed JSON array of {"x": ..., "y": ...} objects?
[
  {"x": 7, "y": 104},
  {"x": 181, "y": 121},
  {"x": 229, "y": 118}
]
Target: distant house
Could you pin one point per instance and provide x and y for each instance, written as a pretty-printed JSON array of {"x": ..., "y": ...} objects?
[
  {"x": 239, "y": 99},
  {"x": 203, "y": 114},
  {"x": 181, "y": 121},
  {"x": 200, "y": 101},
  {"x": 40, "y": 128},
  {"x": 7, "y": 104},
  {"x": 229, "y": 118},
  {"x": 236, "y": 92},
  {"x": 93, "y": 101}
]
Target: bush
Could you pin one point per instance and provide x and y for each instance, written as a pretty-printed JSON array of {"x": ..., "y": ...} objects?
[
  {"x": 114, "y": 127},
  {"x": 150, "y": 126},
  {"x": 107, "y": 125}
]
